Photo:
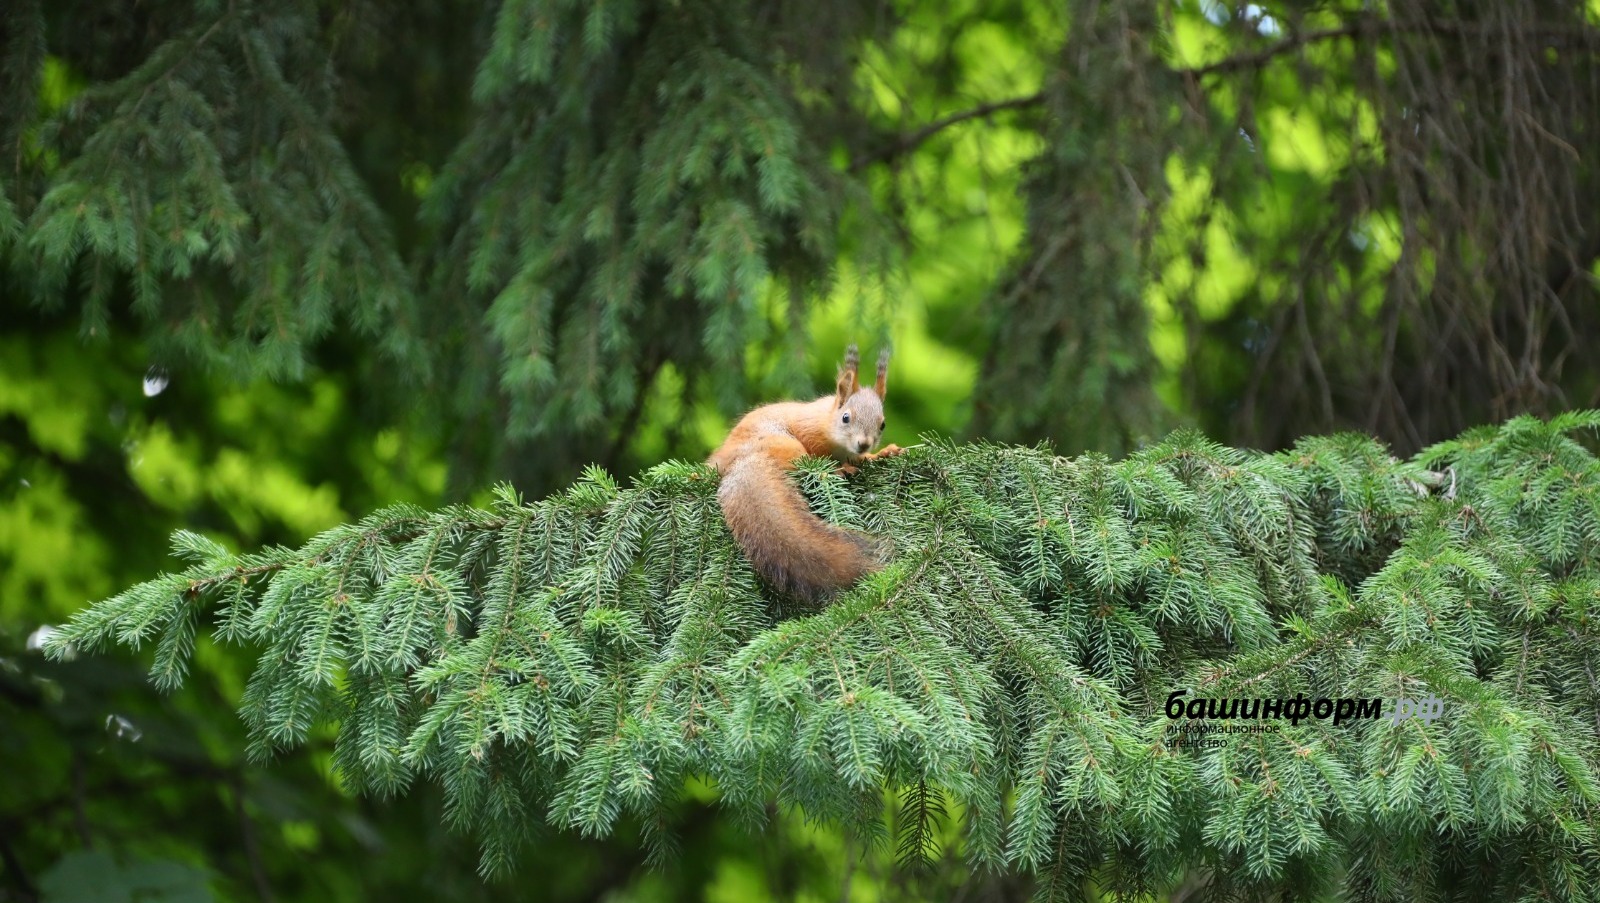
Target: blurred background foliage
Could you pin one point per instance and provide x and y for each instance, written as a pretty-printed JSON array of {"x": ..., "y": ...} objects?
[{"x": 269, "y": 266}]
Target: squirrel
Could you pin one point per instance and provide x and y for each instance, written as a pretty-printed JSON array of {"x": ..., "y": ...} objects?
[{"x": 792, "y": 549}]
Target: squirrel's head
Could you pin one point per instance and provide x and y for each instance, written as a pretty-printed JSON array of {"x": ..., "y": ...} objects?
[{"x": 857, "y": 409}]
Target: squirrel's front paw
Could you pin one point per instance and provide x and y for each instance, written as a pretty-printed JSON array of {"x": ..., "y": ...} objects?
[
  {"x": 845, "y": 470},
  {"x": 888, "y": 451}
]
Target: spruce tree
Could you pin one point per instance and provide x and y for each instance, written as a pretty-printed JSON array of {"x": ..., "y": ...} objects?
[
  {"x": 618, "y": 190},
  {"x": 560, "y": 211},
  {"x": 574, "y": 661}
]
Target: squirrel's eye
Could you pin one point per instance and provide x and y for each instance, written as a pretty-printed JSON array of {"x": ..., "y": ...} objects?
[
  {"x": 846, "y": 416},
  {"x": 882, "y": 424}
]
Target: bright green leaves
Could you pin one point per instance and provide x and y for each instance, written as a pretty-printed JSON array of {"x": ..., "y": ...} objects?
[{"x": 1323, "y": 236}]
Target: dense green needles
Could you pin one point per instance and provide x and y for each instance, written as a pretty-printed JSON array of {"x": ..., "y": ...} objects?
[{"x": 575, "y": 660}]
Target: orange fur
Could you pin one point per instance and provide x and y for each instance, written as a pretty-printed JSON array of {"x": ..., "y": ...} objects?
[{"x": 791, "y": 548}]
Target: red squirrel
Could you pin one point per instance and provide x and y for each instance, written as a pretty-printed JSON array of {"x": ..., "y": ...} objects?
[{"x": 791, "y": 548}]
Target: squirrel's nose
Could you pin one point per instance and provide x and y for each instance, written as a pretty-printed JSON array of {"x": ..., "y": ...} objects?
[{"x": 862, "y": 445}]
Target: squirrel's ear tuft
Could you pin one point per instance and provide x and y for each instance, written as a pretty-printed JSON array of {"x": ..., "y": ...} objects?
[
  {"x": 848, "y": 380},
  {"x": 881, "y": 386}
]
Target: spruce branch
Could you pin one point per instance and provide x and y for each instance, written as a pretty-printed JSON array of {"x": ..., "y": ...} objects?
[{"x": 577, "y": 659}]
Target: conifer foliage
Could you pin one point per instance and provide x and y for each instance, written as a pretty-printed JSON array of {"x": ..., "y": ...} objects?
[
  {"x": 209, "y": 188},
  {"x": 624, "y": 186},
  {"x": 574, "y": 661}
]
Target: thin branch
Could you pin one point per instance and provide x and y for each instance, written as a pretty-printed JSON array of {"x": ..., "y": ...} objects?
[
  {"x": 1364, "y": 27},
  {"x": 912, "y": 140},
  {"x": 1267, "y": 54},
  {"x": 1368, "y": 26}
]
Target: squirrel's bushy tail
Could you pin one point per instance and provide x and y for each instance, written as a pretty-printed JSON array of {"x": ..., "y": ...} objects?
[{"x": 792, "y": 549}]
